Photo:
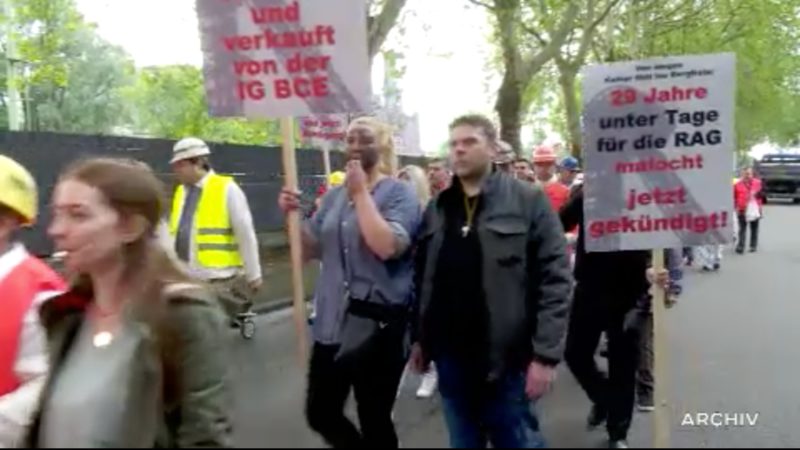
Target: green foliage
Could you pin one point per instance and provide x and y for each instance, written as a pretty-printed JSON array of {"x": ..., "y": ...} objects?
[
  {"x": 169, "y": 102},
  {"x": 68, "y": 77},
  {"x": 43, "y": 29},
  {"x": 72, "y": 80},
  {"x": 762, "y": 33},
  {"x": 90, "y": 100},
  {"x": 522, "y": 56}
]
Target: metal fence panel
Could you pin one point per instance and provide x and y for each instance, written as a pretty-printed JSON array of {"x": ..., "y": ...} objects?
[{"x": 257, "y": 169}]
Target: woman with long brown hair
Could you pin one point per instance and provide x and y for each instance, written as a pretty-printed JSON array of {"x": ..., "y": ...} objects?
[{"x": 137, "y": 347}]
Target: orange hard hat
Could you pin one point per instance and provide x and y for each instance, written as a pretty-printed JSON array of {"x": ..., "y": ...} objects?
[{"x": 544, "y": 154}]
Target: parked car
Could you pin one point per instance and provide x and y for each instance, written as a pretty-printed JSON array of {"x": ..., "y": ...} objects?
[{"x": 780, "y": 175}]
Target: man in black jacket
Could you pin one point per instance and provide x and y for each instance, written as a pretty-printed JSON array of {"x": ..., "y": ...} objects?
[
  {"x": 493, "y": 285},
  {"x": 610, "y": 294}
]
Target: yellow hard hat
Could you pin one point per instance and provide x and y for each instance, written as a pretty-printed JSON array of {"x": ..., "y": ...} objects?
[
  {"x": 18, "y": 189},
  {"x": 336, "y": 178}
]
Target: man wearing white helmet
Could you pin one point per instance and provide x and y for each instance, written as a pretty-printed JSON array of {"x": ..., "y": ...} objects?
[
  {"x": 212, "y": 226},
  {"x": 25, "y": 283}
]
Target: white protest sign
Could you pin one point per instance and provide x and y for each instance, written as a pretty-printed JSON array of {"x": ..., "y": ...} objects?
[
  {"x": 324, "y": 130},
  {"x": 658, "y": 145},
  {"x": 279, "y": 58}
]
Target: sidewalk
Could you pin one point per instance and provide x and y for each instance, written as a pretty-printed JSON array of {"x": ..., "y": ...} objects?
[{"x": 277, "y": 268}]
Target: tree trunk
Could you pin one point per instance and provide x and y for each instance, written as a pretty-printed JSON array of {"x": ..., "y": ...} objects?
[
  {"x": 509, "y": 97},
  {"x": 381, "y": 24},
  {"x": 520, "y": 66},
  {"x": 509, "y": 110},
  {"x": 566, "y": 79}
]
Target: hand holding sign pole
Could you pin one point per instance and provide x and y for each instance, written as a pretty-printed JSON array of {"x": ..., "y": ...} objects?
[
  {"x": 295, "y": 241},
  {"x": 285, "y": 59},
  {"x": 658, "y": 147}
]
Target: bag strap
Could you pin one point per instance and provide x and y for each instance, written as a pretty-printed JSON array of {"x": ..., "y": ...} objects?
[{"x": 348, "y": 277}]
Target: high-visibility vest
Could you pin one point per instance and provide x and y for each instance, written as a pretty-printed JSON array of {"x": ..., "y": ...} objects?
[
  {"x": 215, "y": 243},
  {"x": 19, "y": 289}
]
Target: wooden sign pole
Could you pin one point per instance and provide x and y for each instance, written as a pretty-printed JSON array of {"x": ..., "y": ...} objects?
[
  {"x": 295, "y": 241},
  {"x": 326, "y": 160},
  {"x": 661, "y": 414}
]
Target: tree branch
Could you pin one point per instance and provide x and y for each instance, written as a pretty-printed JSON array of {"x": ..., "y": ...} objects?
[
  {"x": 543, "y": 8},
  {"x": 480, "y": 3},
  {"x": 381, "y": 24},
  {"x": 670, "y": 14},
  {"x": 732, "y": 37},
  {"x": 535, "y": 61},
  {"x": 588, "y": 32},
  {"x": 596, "y": 52},
  {"x": 611, "y": 4},
  {"x": 733, "y": 15},
  {"x": 530, "y": 30}
]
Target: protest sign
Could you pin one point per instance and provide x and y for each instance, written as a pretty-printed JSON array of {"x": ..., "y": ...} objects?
[
  {"x": 323, "y": 130},
  {"x": 278, "y": 58},
  {"x": 658, "y": 145},
  {"x": 284, "y": 59}
]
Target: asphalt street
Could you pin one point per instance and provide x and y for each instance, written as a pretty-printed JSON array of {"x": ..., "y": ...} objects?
[{"x": 732, "y": 349}]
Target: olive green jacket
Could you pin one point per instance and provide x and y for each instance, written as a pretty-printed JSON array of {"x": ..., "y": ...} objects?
[{"x": 196, "y": 403}]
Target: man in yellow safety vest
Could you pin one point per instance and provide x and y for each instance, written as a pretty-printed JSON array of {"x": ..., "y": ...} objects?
[{"x": 213, "y": 230}]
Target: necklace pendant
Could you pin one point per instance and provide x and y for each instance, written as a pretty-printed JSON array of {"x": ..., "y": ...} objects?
[
  {"x": 102, "y": 339},
  {"x": 465, "y": 230}
]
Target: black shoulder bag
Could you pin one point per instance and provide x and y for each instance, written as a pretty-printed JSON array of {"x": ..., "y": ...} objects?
[{"x": 370, "y": 325}]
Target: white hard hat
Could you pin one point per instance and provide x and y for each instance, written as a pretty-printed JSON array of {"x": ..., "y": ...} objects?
[{"x": 187, "y": 148}]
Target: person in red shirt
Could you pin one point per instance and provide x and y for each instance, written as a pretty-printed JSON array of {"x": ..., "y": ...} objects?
[
  {"x": 544, "y": 169},
  {"x": 25, "y": 284},
  {"x": 334, "y": 179},
  {"x": 439, "y": 175},
  {"x": 749, "y": 201}
]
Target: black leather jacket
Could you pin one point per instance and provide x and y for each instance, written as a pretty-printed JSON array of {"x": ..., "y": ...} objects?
[{"x": 526, "y": 273}]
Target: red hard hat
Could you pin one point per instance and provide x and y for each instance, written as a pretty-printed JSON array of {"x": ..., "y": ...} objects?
[{"x": 544, "y": 154}]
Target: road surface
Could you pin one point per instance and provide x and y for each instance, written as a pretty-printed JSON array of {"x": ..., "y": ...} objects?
[{"x": 733, "y": 349}]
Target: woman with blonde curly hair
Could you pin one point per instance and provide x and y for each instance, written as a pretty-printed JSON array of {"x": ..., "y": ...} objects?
[
  {"x": 418, "y": 179},
  {"x": 362, "y": 233}
]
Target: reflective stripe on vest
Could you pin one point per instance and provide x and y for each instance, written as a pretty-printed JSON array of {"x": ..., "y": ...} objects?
[{"x": 215, "y": 243}]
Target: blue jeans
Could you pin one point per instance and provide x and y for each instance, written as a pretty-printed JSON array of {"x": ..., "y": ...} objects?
[
  {"x": 478, "y": 412},
  {"x": 673, "y": 260}
]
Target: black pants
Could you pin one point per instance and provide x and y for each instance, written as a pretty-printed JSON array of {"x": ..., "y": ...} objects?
[
  {"x": 644, "y": 372},
  {"x": 593, "y": 312},
  {"x": 374, "y": 382},
  {"x": 743, "y": 223}
]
